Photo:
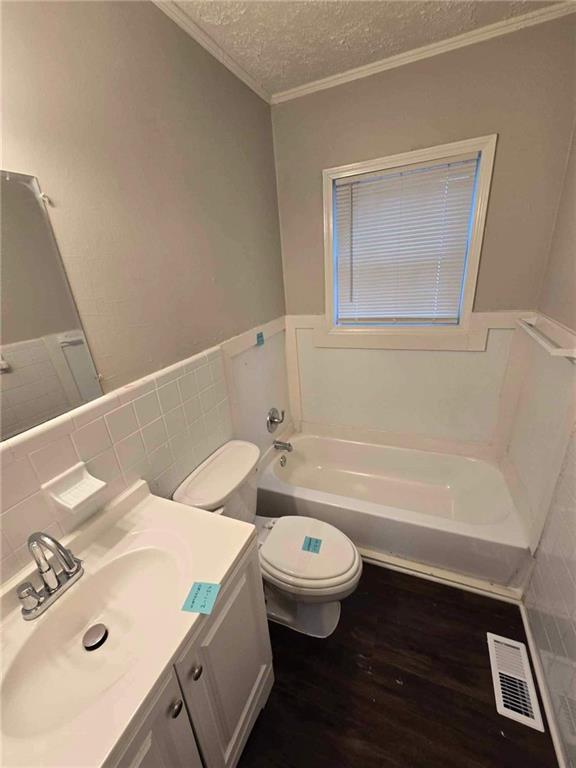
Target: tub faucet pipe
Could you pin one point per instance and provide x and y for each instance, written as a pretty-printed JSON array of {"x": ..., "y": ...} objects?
[{"x": 281, "y": 446}]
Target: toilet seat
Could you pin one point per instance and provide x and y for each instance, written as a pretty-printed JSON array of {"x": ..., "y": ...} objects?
[{"x": 285, "y": 563}]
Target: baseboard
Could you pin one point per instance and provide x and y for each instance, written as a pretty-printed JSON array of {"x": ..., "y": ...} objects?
[
  {"x": 544, "y": 693},
  {"x": 442, "y": 576}
]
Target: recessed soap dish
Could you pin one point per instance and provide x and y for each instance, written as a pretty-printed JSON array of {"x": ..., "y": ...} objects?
[{"x": 77, "y": 492}]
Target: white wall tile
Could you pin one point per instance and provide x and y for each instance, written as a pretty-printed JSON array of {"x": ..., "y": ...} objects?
[
  {"x": 91, "y": 439},
  {"x": 193, "y": 410},
  {"x": 130, "y": 451},
  {"x": 180, "y": 444},
  {"x": 175, "y": 421},
  {"x": 154, "y": 435},
  {"x": 169, "y": 395},
  {"x": 32, "y": 514},
  {"x": 122, "y": 422},
  {"x": 159, "y": 460},
  {"x": 18, "y": 481},
  {"x": 217, "y": 369},
  {"x": 208, "y": 399},
  {"x": 188, "y": 386},
  {"x": 147, "y": 408},
  {"x": 53, "y": 459},
  {"x": 203, "y": 377}
]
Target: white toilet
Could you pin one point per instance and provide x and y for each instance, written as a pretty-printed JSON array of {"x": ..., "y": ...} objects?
[{"x": 308, "y": 566}]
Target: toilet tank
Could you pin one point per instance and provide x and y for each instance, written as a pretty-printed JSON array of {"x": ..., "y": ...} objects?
[{"x": 225, "y": 482}]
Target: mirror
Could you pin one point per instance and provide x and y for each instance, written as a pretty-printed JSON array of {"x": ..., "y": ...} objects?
[{"x": 45, "y": 364}]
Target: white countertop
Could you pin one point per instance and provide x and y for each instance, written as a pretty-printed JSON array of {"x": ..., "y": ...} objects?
[{"x": 102, "y": 691}]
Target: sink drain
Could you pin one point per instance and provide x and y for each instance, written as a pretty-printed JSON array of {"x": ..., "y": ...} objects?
[{"x": 95, "y": 637}]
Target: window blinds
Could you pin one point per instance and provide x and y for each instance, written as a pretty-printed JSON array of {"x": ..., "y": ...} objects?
[{"x": 400, "y": 242}]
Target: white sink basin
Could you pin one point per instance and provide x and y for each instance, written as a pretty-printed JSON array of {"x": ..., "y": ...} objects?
[
  {"x": 52, "y": 678},
  {"x": 63, "y": 706}
]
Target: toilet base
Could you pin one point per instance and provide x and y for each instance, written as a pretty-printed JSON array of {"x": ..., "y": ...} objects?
[{"x": 313, "y": 619}]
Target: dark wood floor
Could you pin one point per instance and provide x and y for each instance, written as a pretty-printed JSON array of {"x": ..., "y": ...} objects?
[{"x": 403, "y": 682}]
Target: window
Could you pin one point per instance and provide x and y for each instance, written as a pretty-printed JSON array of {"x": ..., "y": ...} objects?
[{"x": 404, "y": 236}]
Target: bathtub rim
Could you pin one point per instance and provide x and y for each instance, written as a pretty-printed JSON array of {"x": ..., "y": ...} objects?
[{"x": 509, "y": 531}]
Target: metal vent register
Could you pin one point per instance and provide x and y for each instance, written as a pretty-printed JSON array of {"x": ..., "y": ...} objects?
[{"x": 513, "y": 684}]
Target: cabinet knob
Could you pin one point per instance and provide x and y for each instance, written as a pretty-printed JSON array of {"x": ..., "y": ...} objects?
[
  {"x": 176, "y": 708},
  {"x": 196, "y": 672}
]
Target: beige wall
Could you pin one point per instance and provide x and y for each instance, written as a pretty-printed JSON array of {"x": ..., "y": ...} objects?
[
  {"x": 558, "y": 299},
  {"x": 35, "y": 298},
  {"x": 160, "y": 166},
  {"x": 520, "y": 86}
]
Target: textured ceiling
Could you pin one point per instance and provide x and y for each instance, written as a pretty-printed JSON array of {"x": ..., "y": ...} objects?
[{"x": 282, "y": 44}]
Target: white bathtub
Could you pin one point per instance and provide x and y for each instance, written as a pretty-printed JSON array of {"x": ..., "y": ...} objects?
[{"x": 447, "y": 511}]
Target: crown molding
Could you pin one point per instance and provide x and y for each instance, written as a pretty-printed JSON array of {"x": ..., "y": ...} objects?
[
  {"x": 173, "y": 10},
  {"x": 427, "y": 51}
]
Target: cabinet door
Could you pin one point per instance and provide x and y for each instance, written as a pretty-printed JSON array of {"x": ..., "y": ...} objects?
[
  {"x": 165, "y": 739},
  {"x": 226, "y": 675}
]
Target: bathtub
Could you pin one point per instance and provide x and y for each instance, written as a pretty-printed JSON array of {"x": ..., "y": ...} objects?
[{"x": 441, "y": 510}]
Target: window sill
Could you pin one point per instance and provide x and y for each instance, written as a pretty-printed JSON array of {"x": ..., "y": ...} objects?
[
  {"x": 455, "y": 339},
  {"x": 471, "y": 336}
]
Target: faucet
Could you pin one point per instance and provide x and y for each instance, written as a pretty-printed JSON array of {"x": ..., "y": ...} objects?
[
  {"x": 281, "y": 446},
  {"x": 35, "y": 602}
]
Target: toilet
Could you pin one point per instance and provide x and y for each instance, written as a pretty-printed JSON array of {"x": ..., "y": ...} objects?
[{"x": 308, "y": 566}]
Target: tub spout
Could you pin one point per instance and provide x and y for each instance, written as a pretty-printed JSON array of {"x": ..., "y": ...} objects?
[{"x": 280, "y": 446}]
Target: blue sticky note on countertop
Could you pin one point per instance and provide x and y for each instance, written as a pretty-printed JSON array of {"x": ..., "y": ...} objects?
[
  {"x": 311, "y": 544},
  {"x": 201, "y": 597}
]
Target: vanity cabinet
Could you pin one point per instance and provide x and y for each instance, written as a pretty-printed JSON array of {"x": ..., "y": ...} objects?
[
  {"x": 226, "y": 672},
  {"x": 203, "y": 711},
  {"x": 164, "y": 738}
]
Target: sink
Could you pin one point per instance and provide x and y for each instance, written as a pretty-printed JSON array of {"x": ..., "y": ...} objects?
[
  {"x": 52, "y": 678},
  {"x": 63, "y": 706}
]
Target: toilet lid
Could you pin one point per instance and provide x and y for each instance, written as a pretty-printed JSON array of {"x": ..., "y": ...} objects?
[{"x": 291, "y": 544}]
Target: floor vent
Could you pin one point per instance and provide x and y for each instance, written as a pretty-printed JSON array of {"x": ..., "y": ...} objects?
[{"x": 513, "y": 684}]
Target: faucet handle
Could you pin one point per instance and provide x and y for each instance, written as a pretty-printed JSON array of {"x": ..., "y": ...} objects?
[
  {"x": 273, "y": 419},
  {"x": 28, "y": 596}
]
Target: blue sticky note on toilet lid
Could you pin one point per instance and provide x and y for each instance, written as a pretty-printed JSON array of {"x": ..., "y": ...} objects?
[
  {"x": 311, "y": 544},
  {"x": 201, "y": 597}
]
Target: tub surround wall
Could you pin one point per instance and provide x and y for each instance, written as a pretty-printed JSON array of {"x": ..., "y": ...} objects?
[
  {"x": 539, "y": 430},
  {"x": 159, "y": 164},
  {"x": 551, "y": 601},
  {"x": 427, "y": 397},
  {"x": 520, "y": 86}
]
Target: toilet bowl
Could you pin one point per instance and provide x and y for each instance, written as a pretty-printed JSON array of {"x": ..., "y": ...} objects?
[{"x": 308, "y": 566}]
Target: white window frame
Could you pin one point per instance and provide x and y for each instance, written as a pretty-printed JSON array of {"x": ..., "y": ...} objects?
[{"x": 411, "y": 337}]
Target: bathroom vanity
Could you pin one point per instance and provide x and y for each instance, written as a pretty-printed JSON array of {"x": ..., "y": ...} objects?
[{"x": 168, "y": 687}]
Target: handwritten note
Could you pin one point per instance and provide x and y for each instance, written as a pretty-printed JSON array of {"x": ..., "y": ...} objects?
[
  {"x": 311, "y": 544},
  {"x": 201, "y": 597}
]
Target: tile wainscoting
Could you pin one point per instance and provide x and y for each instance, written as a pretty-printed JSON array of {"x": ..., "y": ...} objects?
[{"x": 158, "y": 428}]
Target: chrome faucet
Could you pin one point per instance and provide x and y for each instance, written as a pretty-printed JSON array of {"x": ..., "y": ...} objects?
[
  {"x": 281, "y": 446},
  {"x": 55, "y": 583}
]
